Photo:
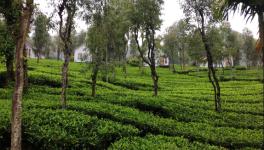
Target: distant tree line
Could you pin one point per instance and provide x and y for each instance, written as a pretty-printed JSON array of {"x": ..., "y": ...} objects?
[{"x": 183, "y": 44}]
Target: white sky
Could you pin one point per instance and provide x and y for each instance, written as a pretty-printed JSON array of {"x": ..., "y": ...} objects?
[{"x": 171, "y": 13}]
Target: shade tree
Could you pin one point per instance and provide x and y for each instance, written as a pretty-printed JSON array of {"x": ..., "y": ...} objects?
[
  {"x": 201, "y": 12},
  {"x": 145, "y": 19},
  {"x": 41, "y": 35}
]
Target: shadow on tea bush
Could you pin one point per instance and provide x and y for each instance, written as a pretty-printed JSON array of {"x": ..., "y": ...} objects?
[{"x": 50, "y": 81}]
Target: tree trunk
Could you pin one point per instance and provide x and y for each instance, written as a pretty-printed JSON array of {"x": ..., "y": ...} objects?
[
  {"x": 141, "y": 67},
  {"x": 94, "y": 79},
  {"x": 211, "y": 70},
  {"x": 173, "y": 67},
  {"x": 261, "y": 35},
  {"x": 223, "y": 68},
  {"x": 10, "y": 74},
  {"x": 16, "y": 119},
  {"x": 212, "y": 76},
  {"x": 125, "y": 60},
  {"x": 106, "y": 65},
  {"x": 58, "y": 54},
  {"x": 25, "y": 65},
  {"x": 150, "y": 60},
  {"x": 25, "y": 59},
  {"x": 65, "y": 32},
  {"x": 65, "y": 79},
  {"x": 151, "y": 46},
  {"x": 125, "y": 69},
  {"x": 183, "y": 59},
  {"x": 38, "y": 55},
  {"x": 172, "y": 61},
  {"x": 155, "y": 79}
]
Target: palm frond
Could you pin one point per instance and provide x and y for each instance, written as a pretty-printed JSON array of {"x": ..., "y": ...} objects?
[{"x": 247, "y": 8}]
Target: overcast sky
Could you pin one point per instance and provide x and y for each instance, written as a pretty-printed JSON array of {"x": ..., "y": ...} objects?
[{"x": 171, "y": 13}]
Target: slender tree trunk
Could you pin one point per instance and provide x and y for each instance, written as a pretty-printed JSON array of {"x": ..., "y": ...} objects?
[
  {"x": 183, "y": 59},
  {"x": 125, "y": 59},
  {"x": 212, "y": 75},
  {"x": 150, "y": 60},
  {"x": 65, "y": 69},
  {"x": 151, "y": 46},
  {"x": 25, "y": 65},
  {"x": 213, "y": 79},
  {"x": 172, "y": 61},
  {"x": 58, "y": 54},
  {"x": 113, "y": 74},
  {"x": 10, "y": 68},
  {"x": 173, "y": 66},
  {"x": 261, "y": 37},
  {"x": 211, "y": 71},
  {"x": 141, "y": 67},
  {"x": 38, "y": 55},
  {"x": 16, "y": 120},
  {"x": 181, "y": 62},
  {"x": 94, "y": 79},
  {"x": 223, "y": 69},
  {"x": 261, "y": 34},
  {"x": 65, "y": 31},
  {"x": 155, "y": 79},
  {"x": 125, "y": 68},
  {"x": 25, "y": 54},
  {"x": 106, "y": 64}
]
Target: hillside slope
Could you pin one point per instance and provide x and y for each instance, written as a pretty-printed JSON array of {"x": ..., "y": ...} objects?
[{"x": 125, "y": 115}]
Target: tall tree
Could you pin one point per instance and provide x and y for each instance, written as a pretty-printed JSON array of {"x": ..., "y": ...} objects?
[
  {"x": 7, "y": 47},
  {"x": 201, "y": 12},
  {"x": 182, "y": 30},
  {"x": 41, "y": 36},
  {"x": 196, "y": 48},
  {"x": 178, "y": 34},
  {"x": 145, "y": 19},
  {"x": 248, "y": 48},
  {"x": 67, "y": 10},
  {"x": 96, "y": 42},
  {"x": 231, "y": 43},
  {"x": 59, "y": 45},
  {"x": 116, "y": 26},
  {"x": 216, "y": 42},
  {"x": 21, "y": 24},
  {"x": 107, "y": 37},
  {"x": 11, "y": 16},
  {"x": 170, "y": 46}
]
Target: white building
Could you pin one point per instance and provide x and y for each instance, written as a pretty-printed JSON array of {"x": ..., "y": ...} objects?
[
  {"x": 164, "y": 61},
  {"x": 161, "y": 60},
  {"x": 82, "y": 54}
]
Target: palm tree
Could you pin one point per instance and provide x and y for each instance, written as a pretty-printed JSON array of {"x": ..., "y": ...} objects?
[{"x": 249, "y": 8}]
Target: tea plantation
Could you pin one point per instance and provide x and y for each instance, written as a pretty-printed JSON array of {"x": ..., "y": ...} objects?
[{"x": 125, "y": 115}]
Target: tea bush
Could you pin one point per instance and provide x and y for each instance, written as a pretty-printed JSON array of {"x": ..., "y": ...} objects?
[{"x": 125, "y": 115}]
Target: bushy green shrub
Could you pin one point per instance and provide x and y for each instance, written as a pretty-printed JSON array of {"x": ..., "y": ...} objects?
[
  {"x": 4, "y": 123},
  {"x": 159, "y": 142},
  {"x": 44, "y": 79},
  {"x": 134, "y": 61},
  {"x": 54, "y": 129},
  {"x": 129, "y": 84},
  {"x": 124, "y": 111}
]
